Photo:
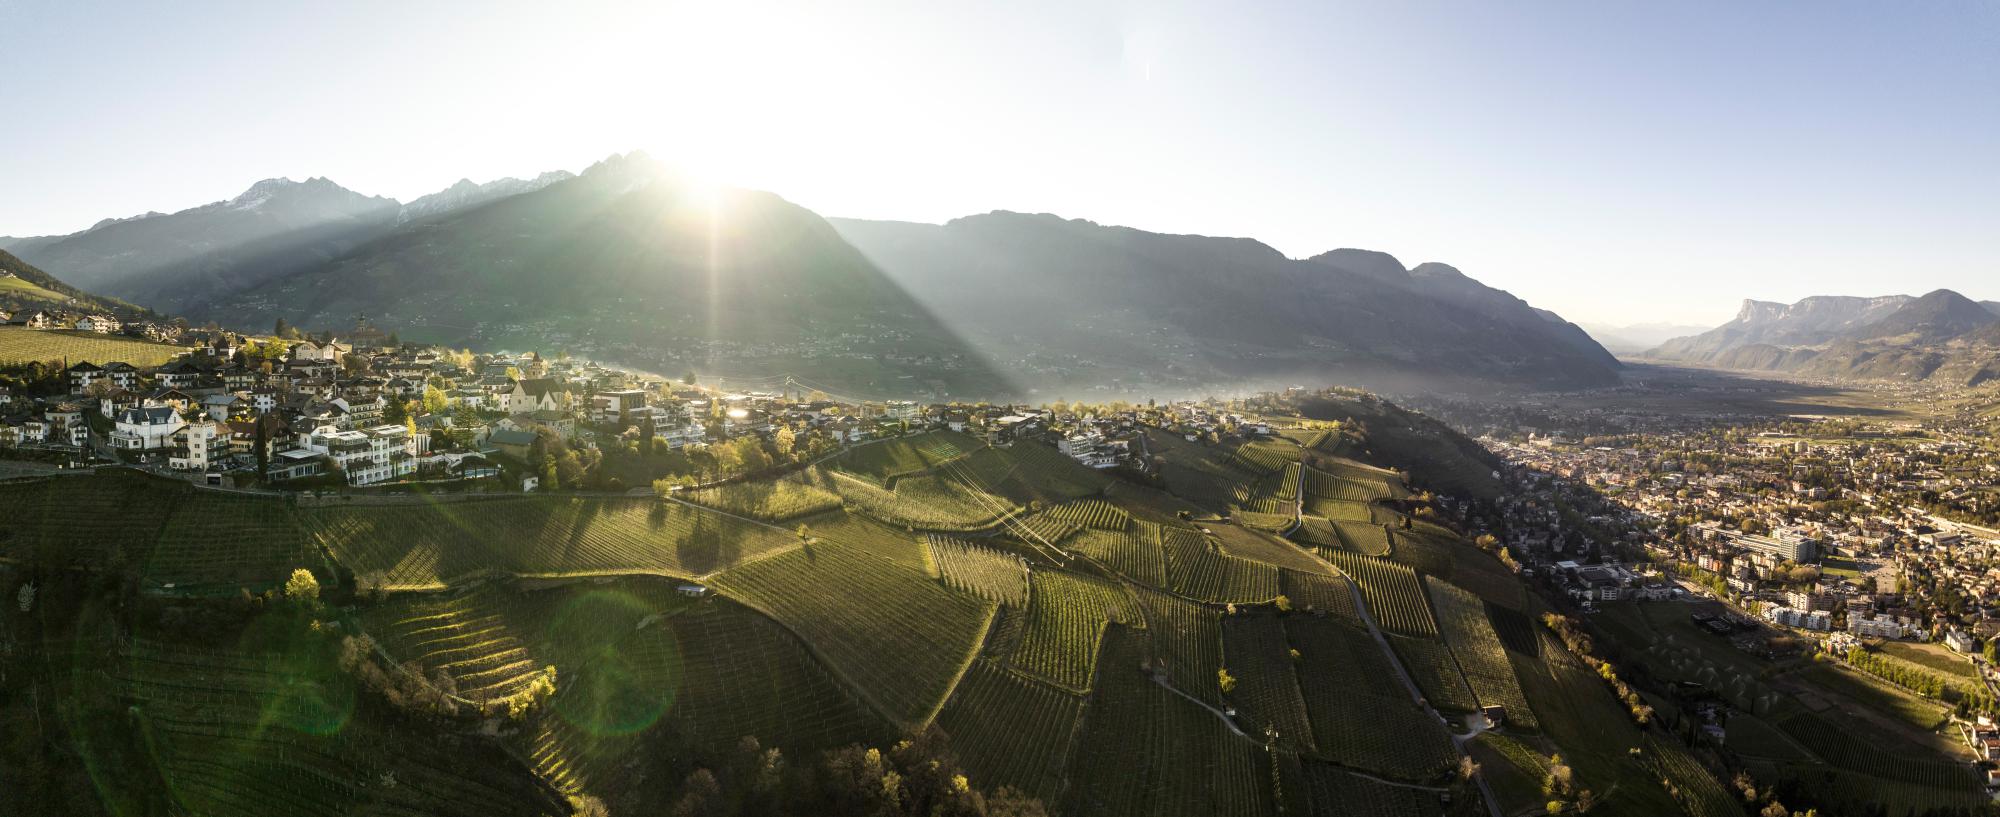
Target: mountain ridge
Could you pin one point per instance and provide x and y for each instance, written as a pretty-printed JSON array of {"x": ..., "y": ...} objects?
[{"x": 1941, "y": 336}]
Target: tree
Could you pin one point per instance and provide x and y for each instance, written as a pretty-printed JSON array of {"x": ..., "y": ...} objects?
[
  {"x": 395, "y": 412},
  {"x": 688, "y": 378},
  {"x": 302, "y": 587},
  {"x": 281, "y": 329},
  {"x": 435, "y": 400},
  {"x": 785, "y": 441},
  {"x": 263, "y": 447},
  {"x": 1225, "y": 680}
]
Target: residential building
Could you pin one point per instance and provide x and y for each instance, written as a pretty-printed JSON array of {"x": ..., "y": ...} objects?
[
  {"x": 146, "y": 428},
  {"x": 366, "y": 456},
  {"x": 199, "y": 446}
]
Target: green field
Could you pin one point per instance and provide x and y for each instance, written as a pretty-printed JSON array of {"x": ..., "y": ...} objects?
[{"x": 19, "y": 345}]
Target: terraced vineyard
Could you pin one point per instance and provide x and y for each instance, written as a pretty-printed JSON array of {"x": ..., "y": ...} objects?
[
  {"x": 1356, "y": 795},
  {"x": 1393, "y": 592},
  {"x": 980, "y": 570},
  {"x": 1075, "y": 651},
  {"x": 777, "y": 500},
  {"x": 423, "y": 546},
  {"x": 1267, "y": 692},
  {"x": 1092, "y": 513},
  {"x": 1697, "y": 790},
  {"x": 1196, "y": 570},
  {"x": 1134, "y": 554},
  {"x": 898, "y": 637},
  {"x": 253, "y": 731},
  {"x": 85, "y": 520},
  {"x": 1436, "y": 672},
  {"x": 1147, "y": 751},
  {"x": 1365, "y": 538},
  {"x": 1184, "y": 641},
  {"x": 217, "y": 538},
  {"x": 1066, "y": 616},
  {"x": 1316, "y": 593},
  {"x": 468, "y": 637},
  {"x": 1841, "y": 747},
  {"x": 1461, "y": 617},
  {"x": 1011, "y": 730},
  {"x": 880, "y": 462},
  {"x": 928, "y": 501}
]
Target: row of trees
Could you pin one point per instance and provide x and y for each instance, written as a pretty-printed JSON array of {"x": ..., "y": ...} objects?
[{"x": 917, "y": 777}]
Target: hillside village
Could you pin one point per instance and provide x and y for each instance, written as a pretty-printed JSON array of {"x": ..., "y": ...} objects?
[{"x": 306, "y": 413}]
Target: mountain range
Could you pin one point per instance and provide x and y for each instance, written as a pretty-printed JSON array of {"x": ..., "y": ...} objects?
[
  {"x": 1087, "y": 303},
  {"x": 629, "y": 262},
  {"x": 1942, "y": 337}
]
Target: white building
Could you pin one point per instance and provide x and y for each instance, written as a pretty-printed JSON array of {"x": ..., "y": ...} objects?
[
  {"x": 1958, "y": 641},
  {"x": 1802, "y": 619},
  {"x": 146, "y": 428},
  {"x": 367, "y": 456},
  {"x": 1881, "y": 626},
  {"x": 199, "y": 446},
  {"x": 905, "y": 410},
  {"x": 98, "y": 323}
]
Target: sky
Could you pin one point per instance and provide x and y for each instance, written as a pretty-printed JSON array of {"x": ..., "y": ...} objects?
[{"x": 1619, "y": 162}]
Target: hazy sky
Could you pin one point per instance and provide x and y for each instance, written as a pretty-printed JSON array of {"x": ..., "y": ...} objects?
[{"x": 1618, "y": 162}]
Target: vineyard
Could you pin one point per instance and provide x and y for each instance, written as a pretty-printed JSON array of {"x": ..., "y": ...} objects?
[
  {"x": 928, "y": 501},
  {"x": 1259, "y": 546},
  {"x": 430, "y": 545},
  {"x": 883, "y": 461},
  {"x": 1066, "y": 615},
  {"x": 1361, "y": 797},
  {"x": 1092, "y": 513},
  {"x": 981, "y": 571},
  {"x": 1010, "y": 730},
  {"x": 1196, "y": 570},
  {"x": 1316, "y": 593},
  {"x": 1840, "y": 747},
  {"x": 85, "y": 520},
  {"x": 217, "y": 538},
  {"x": 1185, "y": 639},
  {"x": 1394, "y": 593},
  {"x": 1461, "y": 617},
  {"x": 1267, "y": 690},
  {"x": 1147, "y": 752},
  {"x": 1699, "y": 793},
  {"x": 897, "y": 636},
  {"x": 255, "y": 731},
  {"x": 1360, "y": 715},
  {"x": 1134, "y": 554},
  {"x": 777, "y": 500},
  {"x": 19, "y": 346},
  {"x": 468, "y": 637},
  {"x": 1436, "y": 672},
  {"x": 1365, "y": 538}
]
